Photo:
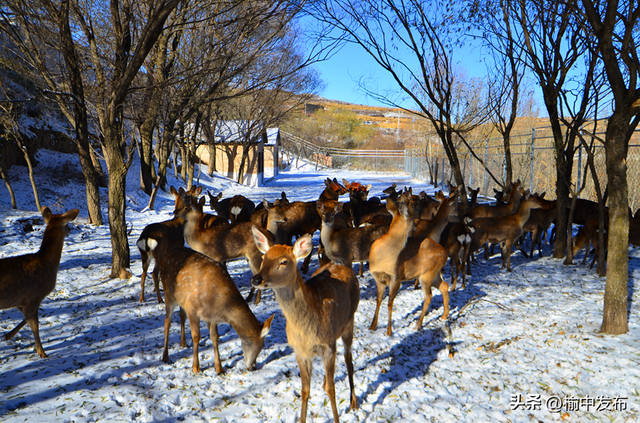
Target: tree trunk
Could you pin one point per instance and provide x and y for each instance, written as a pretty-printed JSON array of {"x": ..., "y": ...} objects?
[
  {"x": 32, "y": 178},
  {"x": 614, "y": 319},
  {"x": 5, "y": 178}
]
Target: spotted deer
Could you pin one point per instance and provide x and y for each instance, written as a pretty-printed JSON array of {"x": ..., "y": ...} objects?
[
  {"x": 26, "y": 280},
  {"x": 318, "y": 311},
  {"x": 204, "y": 291},
  {"x": 395, "y": 257}
]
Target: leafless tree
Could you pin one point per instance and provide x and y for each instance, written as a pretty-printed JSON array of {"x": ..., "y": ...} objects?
[
  {"x": 414, "y": 42},
  {"x": 614, "y": 28}
]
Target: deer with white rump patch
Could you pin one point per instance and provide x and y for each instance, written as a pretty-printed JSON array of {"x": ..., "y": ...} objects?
[
  {"x": 318, "y": 311},
  {"x": 158, "y": 238},
  {"x": 204, "y": 290},
  {"x": 25, "y": 281}
]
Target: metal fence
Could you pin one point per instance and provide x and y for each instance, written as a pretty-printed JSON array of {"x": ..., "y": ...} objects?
[
  {"x": 533, "y": 162},
  {"x": 295, "y": 149}
]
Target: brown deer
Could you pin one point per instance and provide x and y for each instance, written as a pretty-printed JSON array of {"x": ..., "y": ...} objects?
[
  {"x": 539, "y": 222},
  {"x": 456, "y": 239},
  {"x": 318, "y": 311},
  {"x": 303, "y": 217},
  {"x": 25, "y": 281},
  {"x": 432, "y": 228},
  {"x": 158, "y": 238},
  {"x": 346, "y": 245},
  {"x": 501, "y": 209},
  {"x": 504, "y": 230},
  {"x": 394, "y": 258},
  {"x": 361, "y": 209},
  {"x": 204, "y": 290}
]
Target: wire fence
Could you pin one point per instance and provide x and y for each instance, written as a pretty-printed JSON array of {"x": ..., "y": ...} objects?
[
  {"x": 533, "y": 162},
  {"x": 532, "y": 157}
]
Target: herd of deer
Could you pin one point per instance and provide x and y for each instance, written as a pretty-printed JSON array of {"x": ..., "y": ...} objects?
[{"x": 408, "y": 237}]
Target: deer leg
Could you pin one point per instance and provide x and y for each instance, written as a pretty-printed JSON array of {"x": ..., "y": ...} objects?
[
  {"x": 329, "y": 359},
  {"x": 156, "y": 282},
  {"x": 183, "y": 317},
  {"x": 194, "y": 322},
  {"x": 15, "y": 330},
  {"x": 380, "y": 287},
  {"x": 305, "y": 366},
  {"x": 394, "y": 286},
  {"x": 506, "y": 255},
  {"x": 167, "y": 324},
  {"x": 213, "y": 333},
  {"x": 146, "y": 259},
  {"x": 31, "y": 316},
  {"x": 454, "y": 270},
  {"x": 347, "y": 340},
  {"x": 444, "y": 290}
]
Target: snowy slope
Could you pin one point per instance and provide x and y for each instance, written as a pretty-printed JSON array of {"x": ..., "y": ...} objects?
[{"x": 531, "y": 335}]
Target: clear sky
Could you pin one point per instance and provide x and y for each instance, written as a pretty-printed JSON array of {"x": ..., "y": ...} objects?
[{"x": 343, "y": 70}]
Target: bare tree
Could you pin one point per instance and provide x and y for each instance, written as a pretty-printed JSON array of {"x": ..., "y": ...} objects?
[
  {"x": 414, "y": 42},
  {"x": 553, "y": 45},
  {"x": 39, "y": 30},
  {"x": 613, "y": 26}
]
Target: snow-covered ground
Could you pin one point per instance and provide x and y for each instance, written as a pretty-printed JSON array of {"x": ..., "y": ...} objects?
[{"x": 527, "y": 343}]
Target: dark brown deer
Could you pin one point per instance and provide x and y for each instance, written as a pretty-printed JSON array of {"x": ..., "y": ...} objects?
[
  {"x": 204, "y": 291},
  {"x": 221, "y": 243},
  {"x": 433, "y": 228},
  {"x": 363, "y": 210},
  {"x": 303, "y": 217},
  {"x": 25, "y": 281},
  {"x": 456, "y": 239},
  {"x": 504, "y": 230},
  {"x": 158, "y": 238},
  {"x": 394, "y": 258},
  {"x": 318, "y": 311},
  {"x": 346, "y": 245}
]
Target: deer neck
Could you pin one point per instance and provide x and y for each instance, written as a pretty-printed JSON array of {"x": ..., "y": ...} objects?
[
  {"x": 524, "y": 211},
  {"x": 514, "y": 201},
  {"x": 295, "y": 298},
  {"x": 396, "y": 237},
  {"x": 192, "y": 228},
  {"x": 245, "y": 322},
  {"x": 51, "y": 247}
]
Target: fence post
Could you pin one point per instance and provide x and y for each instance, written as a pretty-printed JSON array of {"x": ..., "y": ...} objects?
[
  {"x": 486, "y": 163},
  {"x": 579, "y": 167},
  {"x": 533, "y": 156}
]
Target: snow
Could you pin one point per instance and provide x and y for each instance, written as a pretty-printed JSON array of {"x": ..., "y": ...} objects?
[{"x": 532, "y": 334}]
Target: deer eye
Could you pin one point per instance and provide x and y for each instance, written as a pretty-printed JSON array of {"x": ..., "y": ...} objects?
[{"x": 284, "y": 262}]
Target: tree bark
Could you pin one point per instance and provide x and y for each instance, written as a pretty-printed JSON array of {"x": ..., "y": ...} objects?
[{"x": 616, "y": 293}]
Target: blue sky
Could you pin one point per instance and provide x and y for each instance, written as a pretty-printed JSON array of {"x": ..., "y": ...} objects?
[{"x": 343, "y": 70}]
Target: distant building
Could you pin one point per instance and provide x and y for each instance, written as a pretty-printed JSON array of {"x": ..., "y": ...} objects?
[{"x": 262, "y": 161}]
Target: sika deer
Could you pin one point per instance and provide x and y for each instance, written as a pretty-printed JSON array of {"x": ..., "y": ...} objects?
[
  {"x": 318, "y": 311},
  {"x": 158, "y": 238},
  {"x": 204, "y": 290},
  {"x": 484, "y": 210},
  {"x": 344, "y": 246},
  {"x": 395, "y": 258},
  {"x": 25, "y": 281},
  {"x": 303, "y": 218},
  {"x": 504, "y": 229}
]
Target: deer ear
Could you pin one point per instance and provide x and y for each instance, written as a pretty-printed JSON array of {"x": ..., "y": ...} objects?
[
  {"x": 182, "y": 192},
  {"x": 202, "y": 201},
  {"x": 173, "y": 191},
  {"x": 320, "y": 205},
  {"x": 265, "y": 203},
  {"x": 46, "y": 214},
  {"x": 339, "y": 207},
  {"x": 402, "y": 208},
  {"x": 266, "y": 326},
  {"x": 262, "y": 242},
  {"x": 199, "y": 190},
  {"x": 302, "y": 247},
  {"x": 70, "y": 215}
]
